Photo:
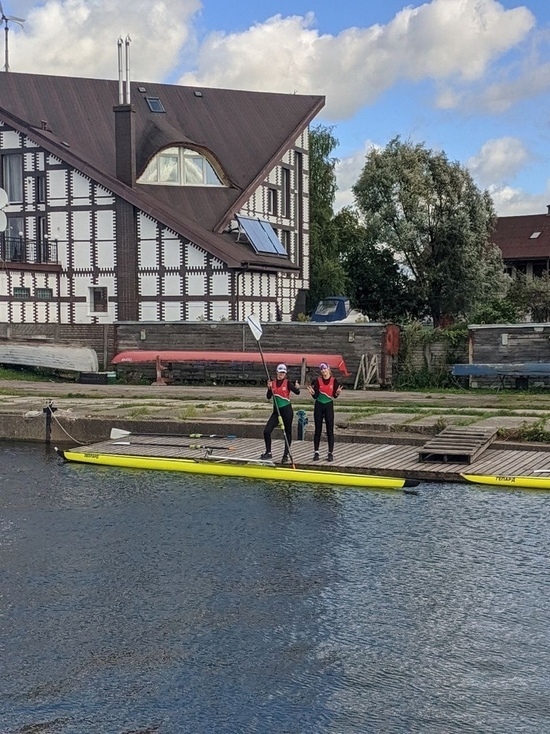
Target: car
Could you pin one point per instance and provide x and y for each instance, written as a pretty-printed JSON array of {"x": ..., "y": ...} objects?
[{"x": 337, "y": 310}]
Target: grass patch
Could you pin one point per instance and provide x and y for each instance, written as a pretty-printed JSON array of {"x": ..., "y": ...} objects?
[
  {"x": 189, "y": 411},
  {"x": 536, "y": 432},
  {"x": 139, "y": 412}
]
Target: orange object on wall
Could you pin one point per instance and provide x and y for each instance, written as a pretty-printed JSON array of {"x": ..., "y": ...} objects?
[{"x": 391, "y": 343}]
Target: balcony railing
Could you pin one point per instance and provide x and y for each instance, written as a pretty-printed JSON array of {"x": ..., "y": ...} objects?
[{"x": 22, "y": 250}]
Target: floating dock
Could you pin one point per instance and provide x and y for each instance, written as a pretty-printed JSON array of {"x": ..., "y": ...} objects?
[{"x": 380, "y": 459}]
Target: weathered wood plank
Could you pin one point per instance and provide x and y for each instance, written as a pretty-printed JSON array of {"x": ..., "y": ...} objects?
[{"x": 458, "y": 445}]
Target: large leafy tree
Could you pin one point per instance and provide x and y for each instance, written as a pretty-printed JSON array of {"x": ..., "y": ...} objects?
[
  {"x": 531, "y": 296},
  {"x": 377, "y": 285},
  {"x": 327, "y": 276},
  {"x": 429, "y": 212}
]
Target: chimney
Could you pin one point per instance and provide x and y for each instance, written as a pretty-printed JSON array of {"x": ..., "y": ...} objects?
[{"x": 125, "y": 152}]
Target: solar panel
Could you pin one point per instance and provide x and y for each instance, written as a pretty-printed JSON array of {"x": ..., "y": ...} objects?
[{"x": 261, "y": 236}]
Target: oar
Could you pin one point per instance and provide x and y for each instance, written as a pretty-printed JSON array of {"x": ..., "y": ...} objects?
[
  {"x": 256, "y": 329},
  {"x": 177, "y": 445},
  {"x": 120, "y": 433}
]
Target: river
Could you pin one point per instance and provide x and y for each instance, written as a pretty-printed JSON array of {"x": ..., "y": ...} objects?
[{"x": 153, "y": 602}]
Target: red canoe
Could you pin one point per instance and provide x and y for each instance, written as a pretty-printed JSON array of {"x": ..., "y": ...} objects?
[{"x": 291, "y": 359}]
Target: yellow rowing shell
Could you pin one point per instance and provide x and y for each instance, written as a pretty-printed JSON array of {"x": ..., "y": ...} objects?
[
  {"x": 504, "y": 481},
  {"x": 247, "y": 470}
]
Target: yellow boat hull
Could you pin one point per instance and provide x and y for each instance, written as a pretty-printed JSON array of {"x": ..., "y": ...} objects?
[
  {"x": 504, "y": 481},
  {"x": 246, "y": 470}
]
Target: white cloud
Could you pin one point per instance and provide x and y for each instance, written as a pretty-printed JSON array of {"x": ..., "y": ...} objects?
[
  {"x": 513, "y": 202},
  {"x": 347, "y": 172},
  {"x": 531, "y": 80},
  {"x": 498, "y": 161},
  {"x": 78, "y": 37},
  {"x": 438, "y": 40}
]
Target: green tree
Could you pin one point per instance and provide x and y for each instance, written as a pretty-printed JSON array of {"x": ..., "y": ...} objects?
[
  {"x": 327, "y": 276},
  {"x": 429, "y": 212},
  {"x": 531, "y": 296},
  {"x": 377, "y": 285}
]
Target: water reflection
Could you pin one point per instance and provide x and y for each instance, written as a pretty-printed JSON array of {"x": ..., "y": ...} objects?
[{"x": 135, "y": 601}]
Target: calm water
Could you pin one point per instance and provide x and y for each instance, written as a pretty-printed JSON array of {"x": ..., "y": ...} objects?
[{"x": 148, "y": 602}]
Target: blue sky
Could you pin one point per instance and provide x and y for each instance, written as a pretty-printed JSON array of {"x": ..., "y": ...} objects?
[{"x": 470, "y": 77}]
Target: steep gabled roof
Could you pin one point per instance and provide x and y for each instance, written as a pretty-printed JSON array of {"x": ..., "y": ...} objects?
[
  {"x": 517, "y": 239},
  {"x": 246, "y": 132}
]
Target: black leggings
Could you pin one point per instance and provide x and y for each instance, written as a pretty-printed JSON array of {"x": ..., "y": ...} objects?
[
  {"x": 323, "y": 411},
  {"x": 287, "y": 414}
]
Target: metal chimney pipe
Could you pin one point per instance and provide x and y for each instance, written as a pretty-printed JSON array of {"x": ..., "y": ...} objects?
[
  {"x": 127, "y": 45},
  {"x": 120, "y": 82}
]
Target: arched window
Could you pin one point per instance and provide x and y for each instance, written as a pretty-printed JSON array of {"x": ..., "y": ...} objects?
[{"x": 180, "y": 167}]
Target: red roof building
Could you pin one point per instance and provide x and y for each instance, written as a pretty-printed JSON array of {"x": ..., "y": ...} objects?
[{"x": 525, "y": 243}]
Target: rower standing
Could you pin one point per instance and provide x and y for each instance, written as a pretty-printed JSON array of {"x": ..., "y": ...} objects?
[
  {"x": 279, "y": 391},
  {"x": 324, "y": 389}
]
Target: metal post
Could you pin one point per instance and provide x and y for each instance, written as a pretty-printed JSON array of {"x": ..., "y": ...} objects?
[
  {"x": 49, "y": 410},
  {"x": 302, "y": 423}
]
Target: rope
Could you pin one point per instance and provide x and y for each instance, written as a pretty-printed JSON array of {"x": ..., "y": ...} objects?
[{"x": 82, "y": 443}]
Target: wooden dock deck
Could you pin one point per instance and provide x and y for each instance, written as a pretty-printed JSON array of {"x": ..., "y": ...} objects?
[{"x": 365, "y": 458}]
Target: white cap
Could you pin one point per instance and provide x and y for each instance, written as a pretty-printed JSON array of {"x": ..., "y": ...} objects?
[{"x": 282, "y": 368}]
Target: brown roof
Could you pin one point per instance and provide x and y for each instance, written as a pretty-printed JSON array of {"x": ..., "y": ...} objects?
[
  {"x": 246, "y": 132},
  {"x": 513, "y": 235}
]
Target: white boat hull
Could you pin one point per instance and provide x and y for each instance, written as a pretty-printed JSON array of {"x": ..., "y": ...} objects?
[{"x": 52, "y": 356}]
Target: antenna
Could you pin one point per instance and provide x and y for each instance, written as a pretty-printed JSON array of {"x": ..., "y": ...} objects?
[{"x": 6, "y": 19}]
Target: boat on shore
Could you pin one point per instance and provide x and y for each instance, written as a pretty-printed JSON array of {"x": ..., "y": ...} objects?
[
  {"x": 51, "y": 355},
  {"x": 495, "y": 480},
  {"x": 235, "y": 467}
]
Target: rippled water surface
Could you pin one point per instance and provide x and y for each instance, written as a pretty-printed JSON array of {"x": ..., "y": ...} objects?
[{"x": 152, "y": 602}]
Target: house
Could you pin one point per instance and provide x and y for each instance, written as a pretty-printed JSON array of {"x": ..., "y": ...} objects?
[
  {"x": 131, "y": 201},
  {"x": 525, "y": 243}
]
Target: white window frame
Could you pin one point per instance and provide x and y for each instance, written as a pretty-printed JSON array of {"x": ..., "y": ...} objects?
[{"x": 179, "y": 166}]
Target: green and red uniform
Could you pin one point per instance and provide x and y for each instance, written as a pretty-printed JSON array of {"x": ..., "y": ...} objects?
[
  {"x": 280, "y": 394},
  {"x": 324, "y": 393}
]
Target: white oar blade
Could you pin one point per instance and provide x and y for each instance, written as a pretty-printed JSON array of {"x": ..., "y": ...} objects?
[
  {"x": 255, "y": 326},
  {"x": 119, "y": 433}
]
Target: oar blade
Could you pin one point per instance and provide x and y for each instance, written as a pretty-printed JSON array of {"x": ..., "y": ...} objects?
[
  {"x": 255, "y": 326},
  {"x": 119, "y": 433}
]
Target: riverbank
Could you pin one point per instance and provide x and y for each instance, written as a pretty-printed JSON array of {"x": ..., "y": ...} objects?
[{"x": 86, "y": 413}]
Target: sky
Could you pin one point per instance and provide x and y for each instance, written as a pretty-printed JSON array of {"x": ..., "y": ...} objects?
[{"x": 467, "y": 77}]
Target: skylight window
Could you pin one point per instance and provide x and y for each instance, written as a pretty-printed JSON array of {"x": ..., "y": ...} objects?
[
  {"x": 155, "y": 105},
  {"x": 535, "y": 235}
]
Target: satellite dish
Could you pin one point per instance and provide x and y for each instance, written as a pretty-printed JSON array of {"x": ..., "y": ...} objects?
[
  {"x": 3, "y": 198},
  {"x": 3, "y": 222}
]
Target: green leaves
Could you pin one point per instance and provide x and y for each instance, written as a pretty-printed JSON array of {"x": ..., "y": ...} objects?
[{"x": 430, "y": 213}]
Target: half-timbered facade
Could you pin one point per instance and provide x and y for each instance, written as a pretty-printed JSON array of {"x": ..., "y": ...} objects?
[{"x": 170, "y": 204}]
